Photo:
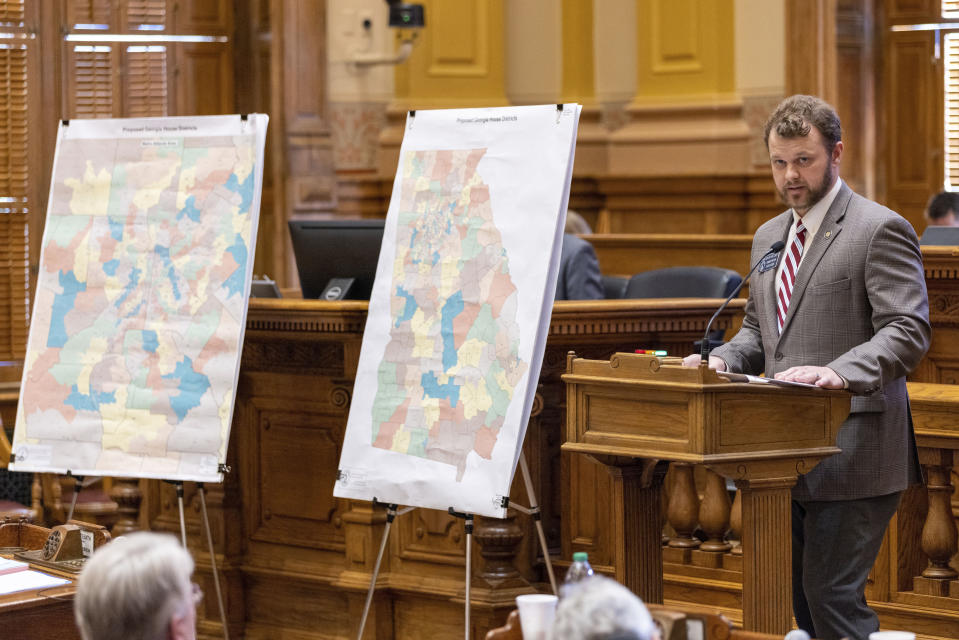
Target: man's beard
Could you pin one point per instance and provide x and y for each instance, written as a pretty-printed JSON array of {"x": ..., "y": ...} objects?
[{"x": 816, "y": 192}]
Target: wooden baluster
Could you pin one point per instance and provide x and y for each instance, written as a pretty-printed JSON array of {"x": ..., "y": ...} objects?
[
  {"x": 714, "y": 513},
  {"x": 939, "y": 530},
  {"x": 683, "y": 511},
  {"x": 126, "y": 493}
]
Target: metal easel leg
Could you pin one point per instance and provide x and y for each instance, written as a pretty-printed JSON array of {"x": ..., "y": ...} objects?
[
  {"x": 77, "y": 485},
  {"x": 468, "y": 526},
  {"x": 534, "y": 511},
  {"x": 179, "y": 499},
  {"x": 391, "y": 514},
  {"x": 469, "y": 570},
  {"x": 216, "y": 576}
]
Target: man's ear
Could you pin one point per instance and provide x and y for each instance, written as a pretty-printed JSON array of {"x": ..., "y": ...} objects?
[{"x": 837, "y": 152}]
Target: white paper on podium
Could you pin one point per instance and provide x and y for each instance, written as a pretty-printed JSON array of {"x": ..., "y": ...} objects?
[
  {"x": 28, "y": 579},
  {"x": 460, "y": 308}
]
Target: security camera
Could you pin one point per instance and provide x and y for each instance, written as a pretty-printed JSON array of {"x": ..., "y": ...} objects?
[{"x": 406, "y": 15}]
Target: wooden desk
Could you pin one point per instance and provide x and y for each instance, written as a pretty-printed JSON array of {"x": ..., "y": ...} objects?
[{"x": 39, "y": 614}]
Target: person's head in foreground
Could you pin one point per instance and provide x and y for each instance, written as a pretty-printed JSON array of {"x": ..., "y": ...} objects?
[
  {"x": 599, "y": 608},
  {"x": 137, "y": 588}
]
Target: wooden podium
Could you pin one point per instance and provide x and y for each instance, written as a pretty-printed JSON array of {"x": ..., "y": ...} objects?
[{"x": 637, "y": 412}]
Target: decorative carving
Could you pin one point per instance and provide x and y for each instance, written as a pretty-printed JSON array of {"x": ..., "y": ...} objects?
[
  {"x": 340, "y": 397},
  {"x": 944, "y": 309},
  {"x": 281, "y": 356}
]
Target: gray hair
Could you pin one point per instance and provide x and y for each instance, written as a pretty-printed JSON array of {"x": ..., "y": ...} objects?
[
  {"x": 599, "y": 607},
  {"x": 131, "y": 588}
]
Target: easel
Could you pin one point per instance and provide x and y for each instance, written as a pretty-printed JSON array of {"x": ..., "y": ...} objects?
[
  {"x": 201, "y": 489},
  {"x": 392, "y": 511}
]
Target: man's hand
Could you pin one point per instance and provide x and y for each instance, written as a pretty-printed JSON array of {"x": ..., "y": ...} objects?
[
  {"x": 820, "y": 376},
  {"x": 714, "y": 363}
]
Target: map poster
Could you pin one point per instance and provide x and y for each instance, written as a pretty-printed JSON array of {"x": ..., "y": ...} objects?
[
  {"x": 460, "y": 308},
  {"x": 137, "y": 324}
]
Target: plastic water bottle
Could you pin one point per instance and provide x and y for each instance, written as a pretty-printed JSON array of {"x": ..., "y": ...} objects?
[{"x": 579, "y": 570}]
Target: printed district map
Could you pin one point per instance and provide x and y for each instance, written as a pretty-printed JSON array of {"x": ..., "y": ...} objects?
[
  {"x": 141, "y": 295},
  {"x": 451, "y": 364}
]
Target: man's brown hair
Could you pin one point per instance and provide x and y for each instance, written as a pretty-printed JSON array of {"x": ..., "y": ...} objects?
[{"x": 796, "y": 115}]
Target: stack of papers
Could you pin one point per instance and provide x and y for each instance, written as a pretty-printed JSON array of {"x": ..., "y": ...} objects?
[{"x": 17, "y": 576}]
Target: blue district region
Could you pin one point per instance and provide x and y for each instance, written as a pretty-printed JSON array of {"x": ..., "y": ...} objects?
[
  {"x": 62, "y": 305},
  {"x": 110, "y": 267},
  {"x": 245, "y": 190},
  {"x": 150, "y": 341},
  {"x": 451, "y": 308},
  {"x": 116, "y": 228},
  {"x": 410, "y": 307},
  {"x": 192, "y": 387},
  {"x": 432, "y": 388},
  {"x": 237, "y": 279},
  {"x": 91, "y": 402},
  {"x": 164, "y": 253},
  {"x": 131, "y": 285},
  {"x": 189, "y": 210}
]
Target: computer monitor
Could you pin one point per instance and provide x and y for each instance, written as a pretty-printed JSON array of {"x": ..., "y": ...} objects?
[
  {"x": 344, "y": 251},
  {"x": 935, "y": 235}
]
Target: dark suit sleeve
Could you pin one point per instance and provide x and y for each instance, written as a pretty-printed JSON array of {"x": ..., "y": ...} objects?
[
  {"x": 583, "y": 281},
  {"x": 896, "y": 288}
]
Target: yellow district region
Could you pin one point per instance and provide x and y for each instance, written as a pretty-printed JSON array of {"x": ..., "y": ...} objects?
[
  {"x": 148, "y": 195},
  {"x": 468, "y": 355},
  {"x": 91, "y": 197},
  {"x": 401, "y": 441},
  {"x": 504, "y": 384},
  {"x": 431, "y": 411},
  {"x": 81, "y": 259},
  {"x": 90, "y": 357},
  {"x": 133, "y": 423},
  {"x": 424, "y": 345},
  {"x": 187, "y": 180},
  {"x": 114, "y": 412},
  {"x": 475, "y": 398}
]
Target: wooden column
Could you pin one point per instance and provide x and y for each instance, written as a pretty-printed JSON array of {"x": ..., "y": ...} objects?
[{"x": 767, "y": 554}]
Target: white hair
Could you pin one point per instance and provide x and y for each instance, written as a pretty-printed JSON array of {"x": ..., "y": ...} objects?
[
  {"x": 599, "y": 607},
  {"x": 131, "y": 588}
]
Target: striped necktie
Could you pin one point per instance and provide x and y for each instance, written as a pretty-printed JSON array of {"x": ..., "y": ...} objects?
[{"x": 788, "y": 277}]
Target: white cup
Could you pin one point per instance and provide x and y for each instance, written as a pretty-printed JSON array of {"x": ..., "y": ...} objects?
[
  {"x": 892, "y": 635},
  {"x": 536, "y": 614}
]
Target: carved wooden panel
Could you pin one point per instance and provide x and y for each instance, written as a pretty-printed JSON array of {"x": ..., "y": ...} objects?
[
  {"x": 914, "y": 161},
  {"x": 294, "y": 507},
  {"x": 204, "y": 16},
  {"x": 204, "y": 78},
  {"x": 908, "y": 10},
  {"x": 460, "y": 38},
  {"x": 431, "y": 536}
]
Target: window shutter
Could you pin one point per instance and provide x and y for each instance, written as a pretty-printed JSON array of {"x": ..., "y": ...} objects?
[
  {"x": 146, "y": 82},
  {"x": 950, "y": 8},
  {"x": 91, "y": 83},
  {"x": 146, "y": 15},
  {"x": 15, "y": 201},
  {"x": 951, "y": 94}
]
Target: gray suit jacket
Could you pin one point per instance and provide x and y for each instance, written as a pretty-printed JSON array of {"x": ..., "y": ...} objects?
[{"x": 859, "y": 306}]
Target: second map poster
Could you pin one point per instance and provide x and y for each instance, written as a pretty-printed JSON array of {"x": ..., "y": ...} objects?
[{"x": 460, "y": 307}]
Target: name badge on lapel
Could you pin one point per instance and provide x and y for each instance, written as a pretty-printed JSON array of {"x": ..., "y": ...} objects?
[{"x": 769, "y": 262}]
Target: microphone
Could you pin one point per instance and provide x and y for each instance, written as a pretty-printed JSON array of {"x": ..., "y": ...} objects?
[{"x": 704, "y": 348}]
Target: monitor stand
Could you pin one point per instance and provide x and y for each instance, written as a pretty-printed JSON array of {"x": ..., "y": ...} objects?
[{"x": 337, "y": 289}]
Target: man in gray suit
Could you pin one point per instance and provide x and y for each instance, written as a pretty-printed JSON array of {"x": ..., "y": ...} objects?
[{"x": 843, "y": 306}]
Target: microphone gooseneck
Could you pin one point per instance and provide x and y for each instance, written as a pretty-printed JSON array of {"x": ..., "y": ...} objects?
[{"x": 704, "y": 348}]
